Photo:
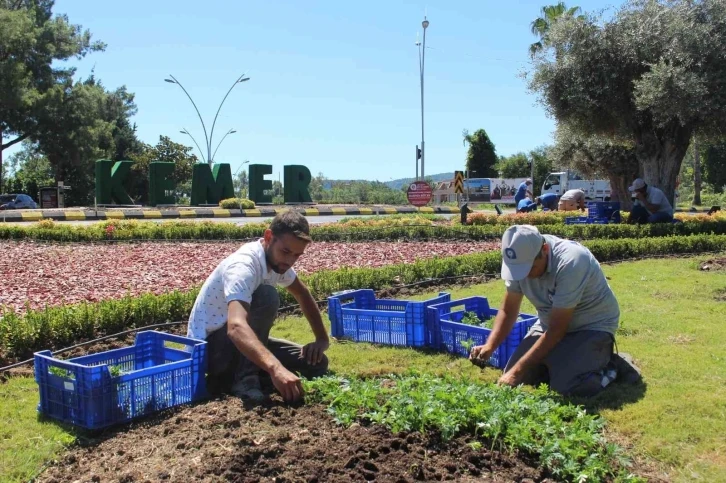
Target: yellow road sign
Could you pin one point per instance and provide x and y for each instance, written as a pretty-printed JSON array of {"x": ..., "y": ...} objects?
[{"x": 459, "y": 182}]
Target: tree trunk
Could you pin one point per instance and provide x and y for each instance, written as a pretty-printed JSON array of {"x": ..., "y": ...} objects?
[
  {"x": 660, "y": 152},
  {"x": 619, "y": 191},
  {"x": 696, "y": 173}
]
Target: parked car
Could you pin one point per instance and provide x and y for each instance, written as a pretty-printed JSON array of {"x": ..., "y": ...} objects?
[{"x": 17, "y": 202}]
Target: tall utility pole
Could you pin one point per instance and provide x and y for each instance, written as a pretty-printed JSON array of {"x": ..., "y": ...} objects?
[
  {"x": 421, "y": 62},
  {"x": 208, "y": 139}
]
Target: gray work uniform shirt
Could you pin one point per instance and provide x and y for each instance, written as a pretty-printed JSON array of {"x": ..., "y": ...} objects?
[
  {"x": 655, "y": 196},
  {"x": 573, "y": 279}
]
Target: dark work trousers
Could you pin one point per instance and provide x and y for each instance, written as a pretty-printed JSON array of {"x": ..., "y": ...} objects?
[
  {"x": 573, "y": 366},
  {"x": 225, "y": 362}
]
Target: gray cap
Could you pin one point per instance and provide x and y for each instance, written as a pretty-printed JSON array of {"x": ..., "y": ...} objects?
[{"x": 520, "y": 246}]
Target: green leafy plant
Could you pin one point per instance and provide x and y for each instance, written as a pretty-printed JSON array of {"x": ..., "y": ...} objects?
[
  {"x": 467, "y": 344},
  {"x": 471, "y": 318},
  {"x": 562, "y": 437}
]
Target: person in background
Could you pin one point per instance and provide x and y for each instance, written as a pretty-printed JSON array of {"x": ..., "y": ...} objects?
[
  {"x": 572, "y": 200},
  {"x": 465, "y": 210},
  {"x": 650, "y": 205},
  {"x": 526, "y": 205},
  {"x": 237, "y": 305},
  {"x": 548, "y": 201},
  {"x": 524, "y": 191}
]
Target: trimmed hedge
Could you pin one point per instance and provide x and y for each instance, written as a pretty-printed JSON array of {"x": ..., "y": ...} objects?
[
  {"x": 234, "y": 204},
  {"x": 558, "y": 217},
  {"x": 21, "y": 335},
  {"x": 128, "y": 230}
]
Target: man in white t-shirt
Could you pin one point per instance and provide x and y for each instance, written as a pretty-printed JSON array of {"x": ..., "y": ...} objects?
[
  {"x": 650, "y": 206},
  {"x": 237, "y": 305}
]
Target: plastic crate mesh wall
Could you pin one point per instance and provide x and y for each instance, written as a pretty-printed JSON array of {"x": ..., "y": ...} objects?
[
  {"x": 359, "y": 316},
  {"x": 159, "y": 371},
  {"x": 458, "y": 338}
]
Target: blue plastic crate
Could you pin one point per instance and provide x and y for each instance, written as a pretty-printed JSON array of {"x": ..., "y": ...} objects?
[
  {"x": 451, "y": 333},
  {"x": 585, "y": 220},
  {"x": 159, "y": 371},
  {"x": 609, "y": 210},
  {"x": 357, "y": 315}
]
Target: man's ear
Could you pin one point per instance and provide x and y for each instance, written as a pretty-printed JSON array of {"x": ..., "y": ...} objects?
[{"x": 268, "y": 235}]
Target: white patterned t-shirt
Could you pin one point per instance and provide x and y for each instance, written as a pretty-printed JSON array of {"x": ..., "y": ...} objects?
[{"x": 235, "y": 278}]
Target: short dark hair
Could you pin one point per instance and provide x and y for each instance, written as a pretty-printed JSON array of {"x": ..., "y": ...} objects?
[{"x": 291, "y": 221}]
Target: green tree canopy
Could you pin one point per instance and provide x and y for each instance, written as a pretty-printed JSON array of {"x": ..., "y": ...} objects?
[
  {"x": 598, "y": 157},
  {"x": 481, "y": 159},
  {"x": 714, "y": 166},
  {"x": 541, "y": 25},
  {"x": 86, "y": 123},
  {"x": 649, "y": 77},
  {"x": 514, "y": 166},
  {"x": 30, "y": 171},
  {"x": 32, "y": 41},
  {"x": 167, "y": 151}
]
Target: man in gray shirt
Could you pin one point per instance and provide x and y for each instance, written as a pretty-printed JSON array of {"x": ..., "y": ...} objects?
[
  {"x": 572, "y": 342},
  {"x": 650, "y": 206}
]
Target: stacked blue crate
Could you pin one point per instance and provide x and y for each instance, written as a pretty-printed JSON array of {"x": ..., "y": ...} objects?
[{"x": 357, "y": 315}]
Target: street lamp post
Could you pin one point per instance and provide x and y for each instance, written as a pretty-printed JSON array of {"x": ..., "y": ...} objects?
[
  {"x": 421, "y": 63},
  {"x": 208, "y": 138}
]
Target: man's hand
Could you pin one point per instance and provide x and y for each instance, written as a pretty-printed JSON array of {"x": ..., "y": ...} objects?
[
  {"x": 313, "y": 352},
  {"x": 510, "y": 378},
  {"x": 480, "y": 354},
  {"x": 287, "y": 383}
]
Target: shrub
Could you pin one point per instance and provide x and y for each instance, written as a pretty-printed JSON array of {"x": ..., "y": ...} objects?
[{"x": 234, "y": 204}]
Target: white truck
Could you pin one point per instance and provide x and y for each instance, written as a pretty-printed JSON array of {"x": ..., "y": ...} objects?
[{"x": 558, "y": 183}]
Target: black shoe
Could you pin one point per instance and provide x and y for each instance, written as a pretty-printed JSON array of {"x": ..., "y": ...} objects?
[{"x": 628, "y": 372}]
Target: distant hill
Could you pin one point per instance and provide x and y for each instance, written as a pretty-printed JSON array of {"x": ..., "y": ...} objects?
[
  {"x": 399, "y": 183},
  {"x": 396, "y": 184}
]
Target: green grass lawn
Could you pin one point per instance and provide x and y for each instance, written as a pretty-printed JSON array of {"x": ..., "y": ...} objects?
[{"x": 673, "y": 324}]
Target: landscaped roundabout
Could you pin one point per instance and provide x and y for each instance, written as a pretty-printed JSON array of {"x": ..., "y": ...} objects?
[{"x": 386, "y": 412}]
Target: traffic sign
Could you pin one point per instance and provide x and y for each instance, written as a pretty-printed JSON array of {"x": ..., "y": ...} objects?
[
  {"x": 459, "y": 182},
  {"x": 419, "y": 193}
]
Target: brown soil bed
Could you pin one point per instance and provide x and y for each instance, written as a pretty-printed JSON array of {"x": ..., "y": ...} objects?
[
  {"x": 222, "y": 440},
  {"x": 713, "y": 264}
]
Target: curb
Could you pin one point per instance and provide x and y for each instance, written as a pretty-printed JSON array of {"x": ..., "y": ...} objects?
[{"x": 149, "y": 214}]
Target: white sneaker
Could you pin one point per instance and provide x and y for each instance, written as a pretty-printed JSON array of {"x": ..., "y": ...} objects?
[{"x": 248, "y": 388}]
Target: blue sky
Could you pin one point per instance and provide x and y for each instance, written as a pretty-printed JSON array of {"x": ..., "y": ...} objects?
[{"x": 334, "y": 85}]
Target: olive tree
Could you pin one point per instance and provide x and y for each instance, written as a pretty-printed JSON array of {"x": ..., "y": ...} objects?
[{"x": 652, "y": 75}]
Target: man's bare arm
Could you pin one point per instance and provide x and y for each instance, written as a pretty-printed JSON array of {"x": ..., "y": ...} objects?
[
  {"x": 309, "y": 309},
  {"x": 502, "y": 326}
]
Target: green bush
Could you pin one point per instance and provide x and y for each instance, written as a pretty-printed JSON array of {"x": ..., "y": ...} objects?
[
  {"x": 125, "y": 230},
  {"x": 21, "y": 335},
  {"x": 234, "y": 204}
]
